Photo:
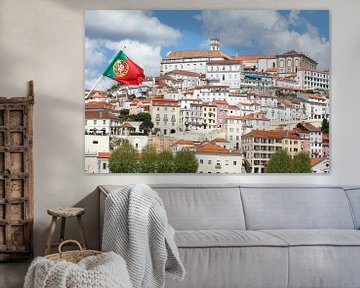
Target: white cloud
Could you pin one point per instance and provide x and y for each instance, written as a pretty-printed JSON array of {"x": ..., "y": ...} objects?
[
  {"x": 142, "y": 34},
  {"x": 267, "y": 31},
  {"x": 117, "y": 25},
  {"x": 93, "y": 55}
]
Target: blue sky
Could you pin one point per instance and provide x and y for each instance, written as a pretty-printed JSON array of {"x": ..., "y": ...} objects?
[
  {"x": 150, "y": 35},
  {"x": 194, "y": 36}
]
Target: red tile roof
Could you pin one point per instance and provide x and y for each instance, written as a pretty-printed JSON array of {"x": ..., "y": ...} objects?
[
  {"x": 252, "y": 57},
  {"x": 184, "y": 72},
  {"x": 211, "y": 148},
  {"x": 100, "y": 115},
  {"x": 98, "y": 105},
  {"x": 104, "y": 154},
  {"x": 315, "y": 161},
  {"x": 272, "y": 134},
  {"x": 197, "y": 54},
  {"x": 184, "y": 142},
  {"x": 164, "y": 102},
  {"x": 307, "y": 127},
  {"x": 127, "y": 125}
]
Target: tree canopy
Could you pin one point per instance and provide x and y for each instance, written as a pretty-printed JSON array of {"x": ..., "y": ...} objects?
[
  {"x": 325, "y": 126},
  {"x": 281, "y": 162},
  {"x": 185, "y": 162},
  {"x": 124, "y": 159},
  {"x": 301, "y": 163}
]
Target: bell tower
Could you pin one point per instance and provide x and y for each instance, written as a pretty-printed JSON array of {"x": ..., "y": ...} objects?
[{"x": 214, "y": 44}]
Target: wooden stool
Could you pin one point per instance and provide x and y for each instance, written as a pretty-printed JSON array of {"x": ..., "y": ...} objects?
[{"x": 64, "y": 213}]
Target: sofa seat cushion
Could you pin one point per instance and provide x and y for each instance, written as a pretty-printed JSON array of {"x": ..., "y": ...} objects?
[
  {"x": 317, "y": 237},
  {"x": 225, "y": 238}
]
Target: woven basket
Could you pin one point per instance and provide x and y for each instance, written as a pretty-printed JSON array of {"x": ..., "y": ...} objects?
[{"x": 72, "y": 256}]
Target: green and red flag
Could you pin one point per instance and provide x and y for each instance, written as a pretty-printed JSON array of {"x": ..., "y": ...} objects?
[{"x": 122, "y": 69}]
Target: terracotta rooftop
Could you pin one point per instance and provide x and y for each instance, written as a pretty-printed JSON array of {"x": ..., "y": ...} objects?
[
  {"x": 252, "y": 57},
  {"x": 184, "y": 72},
  {"x": 104, "y": 154},
  {"x": 307, "y": 127},
  {"x": 100, "y": 115},
  {"x": 272, "y": 134},
  {"x": 197, "y": 54},
  {"x": 164, "y": 102},
  {"x": 220, "y": 140},
  {"x": 211, "y": 148},
  {"x": 98, "y": 105},
  {"x": 315, "y": 161},
  {"x": 296, "y": 53},
  {"x": 184, "y": 142},
  {"x": 127, "y": 125}
]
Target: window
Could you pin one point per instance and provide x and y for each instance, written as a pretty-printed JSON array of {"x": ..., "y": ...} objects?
[
  {"x": 94, "y": 122},
  {"x": 104, "y": 166},
  {"x": 95, "y": 142},
  {"x": 234, "y": 162},
  {"x": 201, "y": 161},
  {"x": 209, "y": 162},
  {"x": 104, "y": 122}
]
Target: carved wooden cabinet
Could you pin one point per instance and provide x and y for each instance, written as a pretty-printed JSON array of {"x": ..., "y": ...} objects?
[{"x": 16, "y": 177}]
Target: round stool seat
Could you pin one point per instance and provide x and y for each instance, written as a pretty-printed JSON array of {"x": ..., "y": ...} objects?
[{"x": 66, "y": 211}]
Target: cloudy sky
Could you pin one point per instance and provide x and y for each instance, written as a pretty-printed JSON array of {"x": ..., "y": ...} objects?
[{"x": 150, "y": 35}]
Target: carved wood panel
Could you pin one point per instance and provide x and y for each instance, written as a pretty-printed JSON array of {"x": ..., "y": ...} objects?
[{"x": 16, "y": 177}]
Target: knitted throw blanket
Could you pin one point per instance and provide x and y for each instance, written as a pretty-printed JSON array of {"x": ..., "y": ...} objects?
[
  {"x": 136, "y": 227},
  {"x": 103, "y": 271}
]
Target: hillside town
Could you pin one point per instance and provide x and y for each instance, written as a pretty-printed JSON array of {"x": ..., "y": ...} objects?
[{"x": 233, "y": 112}]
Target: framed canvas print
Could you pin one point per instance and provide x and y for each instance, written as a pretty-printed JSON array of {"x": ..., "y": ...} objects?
[{"x": 217, "y": 91}]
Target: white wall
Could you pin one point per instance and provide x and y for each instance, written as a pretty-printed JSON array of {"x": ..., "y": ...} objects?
[{"x": 43, "y": 40}]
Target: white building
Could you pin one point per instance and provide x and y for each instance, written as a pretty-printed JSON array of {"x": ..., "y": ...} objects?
[
  {"x": 165, "y": 114},
  {"x": 320, "y": 165},
  {"x": 233, "y": 131},
  {"x": 100, "y": 122},
  {"x": 97, "y": 143},
  {"x": 193, "y": 60},
  {"x": 227, "y": 72},
  {"x": 313, "y": 79},
  {"x": 215, "y": 159},
  {"x": 186, "y": 79},
  {"x": 103, "y": 162},
  {"x": 210, "y": 93}
]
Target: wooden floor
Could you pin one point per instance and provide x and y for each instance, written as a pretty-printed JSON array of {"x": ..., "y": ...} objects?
[{"x": 12, "y": 274}]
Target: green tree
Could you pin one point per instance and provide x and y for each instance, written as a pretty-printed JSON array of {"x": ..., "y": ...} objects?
[
  {"x": 301, "y": 163},
  {"x": 124, "y": 159},
  {"x": 280, "y": 162},
  {"x": 325, "y": 126},
  {"x": 185, "y": 162},
  {"x": 124, "y": 114},
  {"x": 165, "y": 162},
  {"x": 148, "y": 160},
  {"x": 145, "y": 118}
]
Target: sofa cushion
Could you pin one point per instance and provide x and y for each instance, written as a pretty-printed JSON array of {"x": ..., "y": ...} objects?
[
  {"x": 203, "y": 208},
  {"x": 191, "y": 207},
  {"x": 354, "y": 198},
  {"x": 317, "y": 237},
  {"x": 296, "y": 208},
  {"x": 225, "y": 267},
  {"x": 226, "y": 238}
]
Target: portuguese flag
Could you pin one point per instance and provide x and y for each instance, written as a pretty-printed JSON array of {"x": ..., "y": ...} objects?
[{"x": 122, "y": 69}]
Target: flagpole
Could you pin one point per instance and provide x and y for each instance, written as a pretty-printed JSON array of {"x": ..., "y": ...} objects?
[
  {"x": 102, "y": 76},
  {"x": 95, "y": 85}
]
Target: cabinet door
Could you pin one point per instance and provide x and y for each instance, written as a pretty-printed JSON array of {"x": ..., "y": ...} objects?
[{"x": 16, "y": 208}]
